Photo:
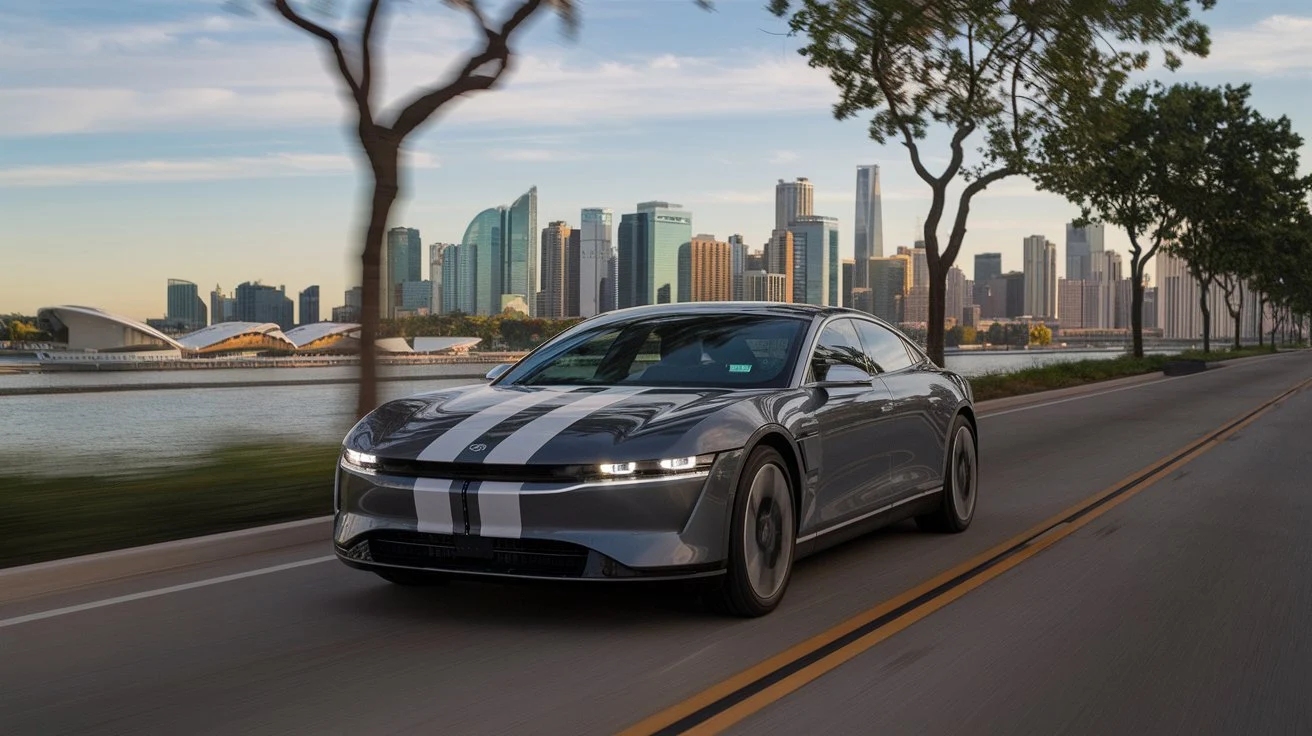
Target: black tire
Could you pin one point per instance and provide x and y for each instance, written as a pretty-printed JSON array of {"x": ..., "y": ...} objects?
[
  {"x": 772, "y": 532},
  {"x": 957, "y": 504},
  {"x": 411, "y": 578}
]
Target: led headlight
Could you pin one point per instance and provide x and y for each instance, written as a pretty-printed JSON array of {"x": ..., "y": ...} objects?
[
  {"x": 359, "y": 461},
  {"x": 657, "y": 468}
]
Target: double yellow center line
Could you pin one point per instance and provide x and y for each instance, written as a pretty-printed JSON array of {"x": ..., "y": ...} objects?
[{"x": 727, "y": 703}]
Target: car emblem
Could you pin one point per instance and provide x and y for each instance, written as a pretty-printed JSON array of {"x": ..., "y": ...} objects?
[{"x": 477, "y": 448}]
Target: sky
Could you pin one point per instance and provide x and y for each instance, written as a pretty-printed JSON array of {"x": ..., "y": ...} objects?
[{"x": 144, "y": 140}]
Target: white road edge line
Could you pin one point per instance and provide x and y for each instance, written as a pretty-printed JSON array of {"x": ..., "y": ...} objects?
[{"x": 160, "y": 591}]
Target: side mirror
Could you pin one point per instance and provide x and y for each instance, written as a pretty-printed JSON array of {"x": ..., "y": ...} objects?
[
  {"x": 497, "y": 371},
  {"x": 834, "y": 373}
]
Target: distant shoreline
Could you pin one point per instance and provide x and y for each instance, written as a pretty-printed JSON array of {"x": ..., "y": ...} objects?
[{"x": 110, "y": 388}]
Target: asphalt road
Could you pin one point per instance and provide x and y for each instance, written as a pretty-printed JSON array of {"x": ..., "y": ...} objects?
[{"x": 1187, "y": 608}]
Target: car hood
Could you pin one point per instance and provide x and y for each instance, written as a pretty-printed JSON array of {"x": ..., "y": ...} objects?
[{"x": 550, "y": 425}]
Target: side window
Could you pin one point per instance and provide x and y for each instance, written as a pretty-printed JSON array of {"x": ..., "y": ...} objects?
[
  {"x": 838, "y": 355},
  {"x": 885, "y": 350}
]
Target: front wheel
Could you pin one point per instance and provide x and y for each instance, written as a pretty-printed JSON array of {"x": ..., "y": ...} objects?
[
  {"x": 960, "y": 483},
  {"x": 762, "y": 539}
]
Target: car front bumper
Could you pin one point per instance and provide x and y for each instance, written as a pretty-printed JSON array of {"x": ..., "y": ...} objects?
[{"x": 670, "y": 527}]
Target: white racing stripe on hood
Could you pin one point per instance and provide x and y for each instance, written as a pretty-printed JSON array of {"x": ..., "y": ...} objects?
[
  {"x": 524, "y": 442},
  {"x": 433, "y": 505},
  {"x": 498, "y": 509},
  {"x": 444, "y": 449}
]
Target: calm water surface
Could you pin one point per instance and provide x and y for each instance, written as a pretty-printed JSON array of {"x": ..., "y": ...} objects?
[{"x": 102, "y": 431}]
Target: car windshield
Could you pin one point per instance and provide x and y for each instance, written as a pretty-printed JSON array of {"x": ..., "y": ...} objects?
[{"x": 707, "y": 350}]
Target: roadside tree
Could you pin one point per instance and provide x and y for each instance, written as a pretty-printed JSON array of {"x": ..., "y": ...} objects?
[{"x": 1007, "y": 70}]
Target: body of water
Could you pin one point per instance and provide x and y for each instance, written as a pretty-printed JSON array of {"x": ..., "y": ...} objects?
[{"x": 101, "y": 432}]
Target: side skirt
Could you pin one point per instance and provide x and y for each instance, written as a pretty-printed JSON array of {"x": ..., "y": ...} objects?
[{"x": 922, "y": 502}]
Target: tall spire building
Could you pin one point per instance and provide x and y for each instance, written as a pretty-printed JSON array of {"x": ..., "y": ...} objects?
[{"x": 868, "y": 234}]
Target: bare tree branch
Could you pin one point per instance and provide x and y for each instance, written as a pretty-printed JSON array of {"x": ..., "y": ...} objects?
[
  {"x": 348, "y": 77},
  {"x": 366, "y": 54},
  {"x": 495, "y": 50}
]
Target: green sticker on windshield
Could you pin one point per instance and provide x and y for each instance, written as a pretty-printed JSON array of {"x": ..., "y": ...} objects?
[{"x": 739, "y": 368}]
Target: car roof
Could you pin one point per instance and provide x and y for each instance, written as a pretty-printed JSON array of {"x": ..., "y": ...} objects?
[{"x": 783, "y": 309}]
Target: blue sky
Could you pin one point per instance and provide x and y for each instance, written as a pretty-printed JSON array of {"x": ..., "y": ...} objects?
[{"x": 153, "y": 139}]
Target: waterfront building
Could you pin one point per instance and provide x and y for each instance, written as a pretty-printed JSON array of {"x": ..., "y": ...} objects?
[
  {"x": 1083, "y": 246},
  {"x": 402, "y": 262},
  {"x": 556, "y": 269}
]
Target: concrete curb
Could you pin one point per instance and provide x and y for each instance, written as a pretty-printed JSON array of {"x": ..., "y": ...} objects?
[
  {"x": 74, "y": 572},
  {"x": 44, "y": 578}
]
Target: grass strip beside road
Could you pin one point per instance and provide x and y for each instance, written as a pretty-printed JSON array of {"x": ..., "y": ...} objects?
[
  {"x": 47, "y": 517},
  {"x": 1080, "y": 372}
]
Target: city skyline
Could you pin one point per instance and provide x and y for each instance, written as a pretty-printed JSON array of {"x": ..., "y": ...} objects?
[{"x": 237, "y": 165}]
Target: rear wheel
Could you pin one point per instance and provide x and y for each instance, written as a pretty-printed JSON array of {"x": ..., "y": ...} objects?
[
  {"x": 411, "y": 577},
  {"x": 960, "y": 483},
  {"x": 762, "y": 539}
]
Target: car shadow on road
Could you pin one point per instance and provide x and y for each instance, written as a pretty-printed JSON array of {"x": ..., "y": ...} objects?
[{"x": 575, "y": 606}]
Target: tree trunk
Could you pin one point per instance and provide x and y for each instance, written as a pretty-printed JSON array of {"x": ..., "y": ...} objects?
[
  {"x": 1261, "y": 318},
  {"x": 1136, "y": 305},
  {"x": 938, "y": 286},
  {"x": 385, "y": 190},
  {"x": 1236, "y": 312},
  {"x": 1207, "y": 314}
]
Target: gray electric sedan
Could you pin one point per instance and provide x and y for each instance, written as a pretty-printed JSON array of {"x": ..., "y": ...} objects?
[{"x": 713, "y": 440}]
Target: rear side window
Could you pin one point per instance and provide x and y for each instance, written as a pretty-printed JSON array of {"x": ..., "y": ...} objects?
[{"x": 884, "y": 349}]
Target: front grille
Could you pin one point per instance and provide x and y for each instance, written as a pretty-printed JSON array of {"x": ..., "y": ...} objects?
[
  {"x": 486, "y": 472},
  {"x": 536, "y": 557}
]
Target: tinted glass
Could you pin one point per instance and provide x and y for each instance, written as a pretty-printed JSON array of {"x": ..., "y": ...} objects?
[
  {"x": 886, "y": 351},
  {"x": 708, "y": 350},
  {"x": 838, "y": 355}
]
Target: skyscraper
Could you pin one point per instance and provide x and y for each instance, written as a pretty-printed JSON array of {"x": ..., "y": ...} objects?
[
  {"x": 792, "y": 199},
  {"x": 459, "y": 272},
  {"x": 500, "y": 244},
  {"x": 762, "y": 286},
  {"x": 1083, "y": 244},
  {"x": 309, "y": 304},
  {"x": 186, "y": 310},
  {"x": 259, "y": 303},
  {"x": 435, "y": 256},
  {"x": 596, "y": 272},
  {"x": 218, "y": 305},
  {"x": 888, "y": 282},
  {"x": 704, "y": 270},
  {"x": 402, "y": 262},
  {"x": 1040, "y": 277},
  {"x": 868, "y": 233},
  {"x": 988, "y": 266},
  {"x": 955, "y": 298},
  {"x": 815, "y": 260},
  {"x": 845, "y": 285},
  {"x": 649, "y": 243},
  {"x": 555, "y": 270},
  {"x": 737, "y": 265}
]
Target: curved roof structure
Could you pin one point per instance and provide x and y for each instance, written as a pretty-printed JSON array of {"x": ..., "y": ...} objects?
[
  {"x": 89, "y": 328},
  {"x": 229, "y": 336},
  {"x": 325, "y": 336},
  {"x": 445, "y": 344},
  {"x": 393, "y": 345}
]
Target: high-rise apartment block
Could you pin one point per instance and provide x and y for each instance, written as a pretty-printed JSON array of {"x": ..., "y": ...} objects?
[
  {"x": 186, "y": 310},
  {"x": 815, "y": 260},
  {"x": 762, "y": 286},
  {"x": 1040, "y": 264},
  {"x": 792, "y": 200},
  {"x": 1083, "y": 245},
  {"x": 402, "y": 262},
  {"x": 705, "y": 273},
  {"x": 555, "y": 270}
]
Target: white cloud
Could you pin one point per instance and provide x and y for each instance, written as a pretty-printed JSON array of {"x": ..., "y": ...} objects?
[
  {"x": 217, "y": 73},
  {"x": 534, "y": 155},
  {"x": 196, "y": 169},
  {"x": 1276, "y": 45},
  {"x": 784, "y": 157}
]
